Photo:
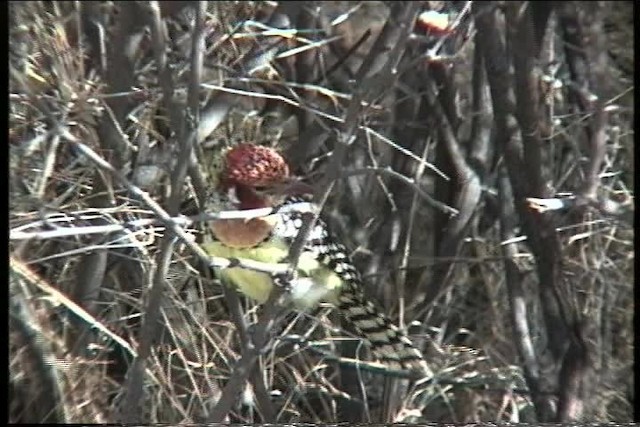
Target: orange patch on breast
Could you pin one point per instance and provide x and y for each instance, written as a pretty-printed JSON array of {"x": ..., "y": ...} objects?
[{"x": 242, "y": 233}]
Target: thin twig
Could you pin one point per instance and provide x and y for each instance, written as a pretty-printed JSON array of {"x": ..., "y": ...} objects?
[
  {"x": 48, "y": 401},
  {"x": 253, "y": 349},
  {"x": 188, "y": 134},
  {"x": 23, "y": 270},
  {"x": 19, "y": 233},
  {"x": 409, "y": 181},
  {"x": 401, "y": 275},
  {"x": 328, "y": 116},
  {"x": 369, "y": 80}
]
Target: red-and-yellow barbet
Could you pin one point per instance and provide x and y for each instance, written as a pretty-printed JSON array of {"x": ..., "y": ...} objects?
[{"x": 253, "y": 176}]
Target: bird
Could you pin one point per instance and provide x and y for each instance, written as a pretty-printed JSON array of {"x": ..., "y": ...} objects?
[{"x": 251, "y": 176}]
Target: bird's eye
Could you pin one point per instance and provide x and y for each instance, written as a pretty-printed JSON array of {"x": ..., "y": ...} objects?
[{"x": 260, "y": 188}]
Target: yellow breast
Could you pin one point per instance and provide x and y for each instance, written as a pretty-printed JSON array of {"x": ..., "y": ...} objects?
[
  {"x": 251, "y": 283},
  {"x": 315, "y": 283}
]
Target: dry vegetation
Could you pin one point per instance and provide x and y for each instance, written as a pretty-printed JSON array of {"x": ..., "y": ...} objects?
[{"x": 524, "y": 310}]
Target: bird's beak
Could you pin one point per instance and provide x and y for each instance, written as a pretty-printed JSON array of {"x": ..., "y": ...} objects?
[
  {"x": 295, "y": 187},
  {"x": 290, "y": 187}
]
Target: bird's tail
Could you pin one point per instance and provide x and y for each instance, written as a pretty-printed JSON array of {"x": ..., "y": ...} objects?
[{"x": 389, "y": 344}]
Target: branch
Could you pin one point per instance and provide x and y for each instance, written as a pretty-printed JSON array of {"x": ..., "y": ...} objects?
[
  {"x": 253, "y": 349},
  {"x": 19, "y": 233},
  {"x": 516, "y": 291},
  {"x": 520, "y": 33},
  {"x": 375, "y": 73},
  {"x": 409, "y": 181}
]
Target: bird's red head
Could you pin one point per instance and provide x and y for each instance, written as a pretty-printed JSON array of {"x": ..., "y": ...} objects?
[
  {"x": 255, "y": 166},
  {"x": 256, "y": 173}
]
